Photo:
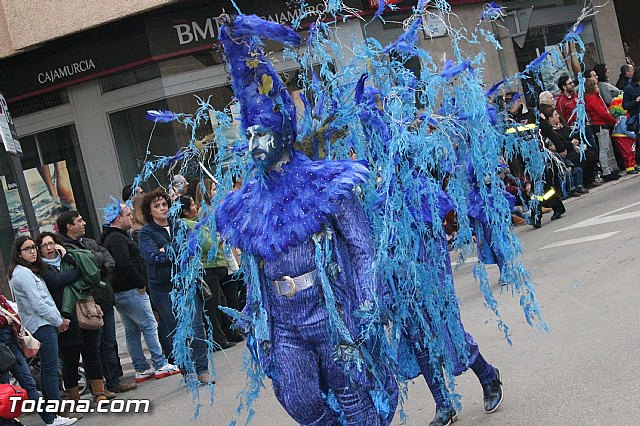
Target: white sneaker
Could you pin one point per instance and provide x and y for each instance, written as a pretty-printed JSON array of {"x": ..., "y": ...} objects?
[
  {"x": 167, "y": 370},
  {"x": 141, "y": 376},
  {"x": 62, "y": 421}
]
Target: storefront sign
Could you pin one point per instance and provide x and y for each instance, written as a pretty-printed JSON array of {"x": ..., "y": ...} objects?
[
  {"x": 7, "y": 130},
  {"x": 193, "y": 28},
  {"x": 75, "y": 68},
  {"x": 132, "y": 42},
  {"x": 434, "y": 27},
  {"x": 72, "y": 60},
  {"x": 142, "y": 39}
]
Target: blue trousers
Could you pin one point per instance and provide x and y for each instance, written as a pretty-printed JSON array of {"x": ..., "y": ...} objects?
[
  {"x": 21, "y": 371},
  {"x": 435, "y": 379},
  {"x": 138, "y": 320},
  {"x": 305, "y": 368},
  {"x": 162, "y": 302},
  {"x": 49, "y": 362}
]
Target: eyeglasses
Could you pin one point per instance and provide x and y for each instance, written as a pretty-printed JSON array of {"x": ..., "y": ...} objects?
[
  {"x": 47, "y": 245},
  {"x": 30, "y": 249},
  {"x": 570, "y": 83}
]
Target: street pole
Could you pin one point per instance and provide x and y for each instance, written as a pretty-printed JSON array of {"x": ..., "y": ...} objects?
[
  {"x": 12, "y": 147},
  {"x": 501, "y": 59},
  {"x": 25, "y": 197}
]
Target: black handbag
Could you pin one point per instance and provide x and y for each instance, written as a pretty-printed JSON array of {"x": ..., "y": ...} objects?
[{"x": 7, "y": 358}]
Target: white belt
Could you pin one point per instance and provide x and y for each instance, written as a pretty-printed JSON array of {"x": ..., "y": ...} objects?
[{"x": 290, "y": 286}]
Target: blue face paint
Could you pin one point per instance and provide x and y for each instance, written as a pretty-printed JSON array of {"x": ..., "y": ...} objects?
[{"x": 265, "y": 146}]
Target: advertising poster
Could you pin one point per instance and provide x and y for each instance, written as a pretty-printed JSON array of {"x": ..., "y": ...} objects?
[
  {"x": 51, "y": 194},
  {"x": 554, "y": 68}
]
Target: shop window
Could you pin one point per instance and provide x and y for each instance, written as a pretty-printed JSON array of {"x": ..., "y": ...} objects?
[
  {"x": 56, "y": 179},
  {"x": 559, "y": 62},
  {"x": 151, "y": 71},
  {"x": 138, "y": 139},
  {"x": 39, "y": 103}
]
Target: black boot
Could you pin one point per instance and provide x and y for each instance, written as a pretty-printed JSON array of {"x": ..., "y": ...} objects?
[
  {"x": 536, "y": 217},
  {"x": 492, "y": 394},
  {"x": 444, "y": 417}
]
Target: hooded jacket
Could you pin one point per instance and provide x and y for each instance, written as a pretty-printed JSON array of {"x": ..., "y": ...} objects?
[{"x": 129, "y": 272}]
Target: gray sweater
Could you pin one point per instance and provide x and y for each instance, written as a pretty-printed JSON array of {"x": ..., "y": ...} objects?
[
  {"x": 35, "y": 304},
  {"x": 608, "y": 92}
]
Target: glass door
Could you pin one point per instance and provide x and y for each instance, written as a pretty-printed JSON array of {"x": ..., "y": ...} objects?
[{"x": 56, "y": 179}]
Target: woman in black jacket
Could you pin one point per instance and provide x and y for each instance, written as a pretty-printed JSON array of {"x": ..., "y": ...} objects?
[
  {"x": 75, "y": 341},
  {"x": 553, "y": 127}
]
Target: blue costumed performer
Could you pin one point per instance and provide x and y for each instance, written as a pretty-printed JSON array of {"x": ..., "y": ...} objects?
[
  {"x": 427, "y": 312},
  {"x": 435, "y": 256},
  {"x": 309, "y": 252},
  {"x": 489, "y": 251}
]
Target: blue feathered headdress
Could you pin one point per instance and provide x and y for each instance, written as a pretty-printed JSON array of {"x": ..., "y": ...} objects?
[
  {"x": 263, "y": 96},
  {"x": 111, "y": 211}
]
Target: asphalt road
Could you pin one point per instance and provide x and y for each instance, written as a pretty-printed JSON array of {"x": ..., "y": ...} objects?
[{"x": 583, "y": 372}]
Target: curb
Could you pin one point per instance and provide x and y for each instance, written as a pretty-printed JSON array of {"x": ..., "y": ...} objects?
[{"x": 623, "y": 178}]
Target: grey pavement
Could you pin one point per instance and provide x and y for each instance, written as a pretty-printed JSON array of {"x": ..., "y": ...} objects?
[{"x": 585, "y": 371}]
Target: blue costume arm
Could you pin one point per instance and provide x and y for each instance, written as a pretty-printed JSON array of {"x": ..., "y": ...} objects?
[{"x": 352, "y": 223}]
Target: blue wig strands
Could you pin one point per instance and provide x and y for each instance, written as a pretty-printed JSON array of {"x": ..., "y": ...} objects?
[
  {"x": 112, "y": 211},
  {"x": 186, "y": 253}
]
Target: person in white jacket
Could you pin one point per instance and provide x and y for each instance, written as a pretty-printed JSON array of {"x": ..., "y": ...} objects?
[{"x": 40, "y": 316}]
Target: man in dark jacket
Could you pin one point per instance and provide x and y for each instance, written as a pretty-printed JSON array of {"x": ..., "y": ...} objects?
[
  {"x": 626, "y": 73},
  {"x": 631, "y": 102},
  {"x": 71, "y": 230},
  {"x": 129, "y": 281}
]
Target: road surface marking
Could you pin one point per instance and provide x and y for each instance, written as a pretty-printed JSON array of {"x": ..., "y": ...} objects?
[
  {"x": 605, "y": 218},
  {"x": 580, "y": 240}
]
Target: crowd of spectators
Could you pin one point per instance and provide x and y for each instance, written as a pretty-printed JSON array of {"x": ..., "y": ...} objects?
[
  {"x": 128, "y": 269},
  {"x": 574, "y": 167}
]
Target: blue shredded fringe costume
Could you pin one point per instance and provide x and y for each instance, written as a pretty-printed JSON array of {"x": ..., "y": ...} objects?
[
  {"x": 301, "y": 225},
  {"x": 435, "y": 256}
]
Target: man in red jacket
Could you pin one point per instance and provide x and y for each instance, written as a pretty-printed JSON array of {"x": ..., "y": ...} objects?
[
  {"x": 602, "y": 122},
  {"x": 568, "y": 99}
]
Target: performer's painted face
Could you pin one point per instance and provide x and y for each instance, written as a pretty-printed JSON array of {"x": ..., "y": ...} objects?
[{"x": 265, "y": 145}]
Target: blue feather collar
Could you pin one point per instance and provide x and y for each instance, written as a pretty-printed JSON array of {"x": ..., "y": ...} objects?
[{"x": 269, "y": 216}]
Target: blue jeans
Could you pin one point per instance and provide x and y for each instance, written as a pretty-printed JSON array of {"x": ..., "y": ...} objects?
[
  {"x": 162, "y": 302},
  {"x": 109, "y": 350},
  {"x": 578, "y": 177},
  {"x": 137, "y": 318},
  {"x": 21, "y": 371},
  {"x": 49, "y": 362}
]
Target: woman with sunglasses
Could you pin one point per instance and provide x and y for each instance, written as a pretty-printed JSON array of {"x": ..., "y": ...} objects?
[{"x": 40, "y": 316}]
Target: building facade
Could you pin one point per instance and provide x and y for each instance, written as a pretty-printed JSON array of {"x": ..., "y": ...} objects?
[{"x": 79, "y": 90}]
